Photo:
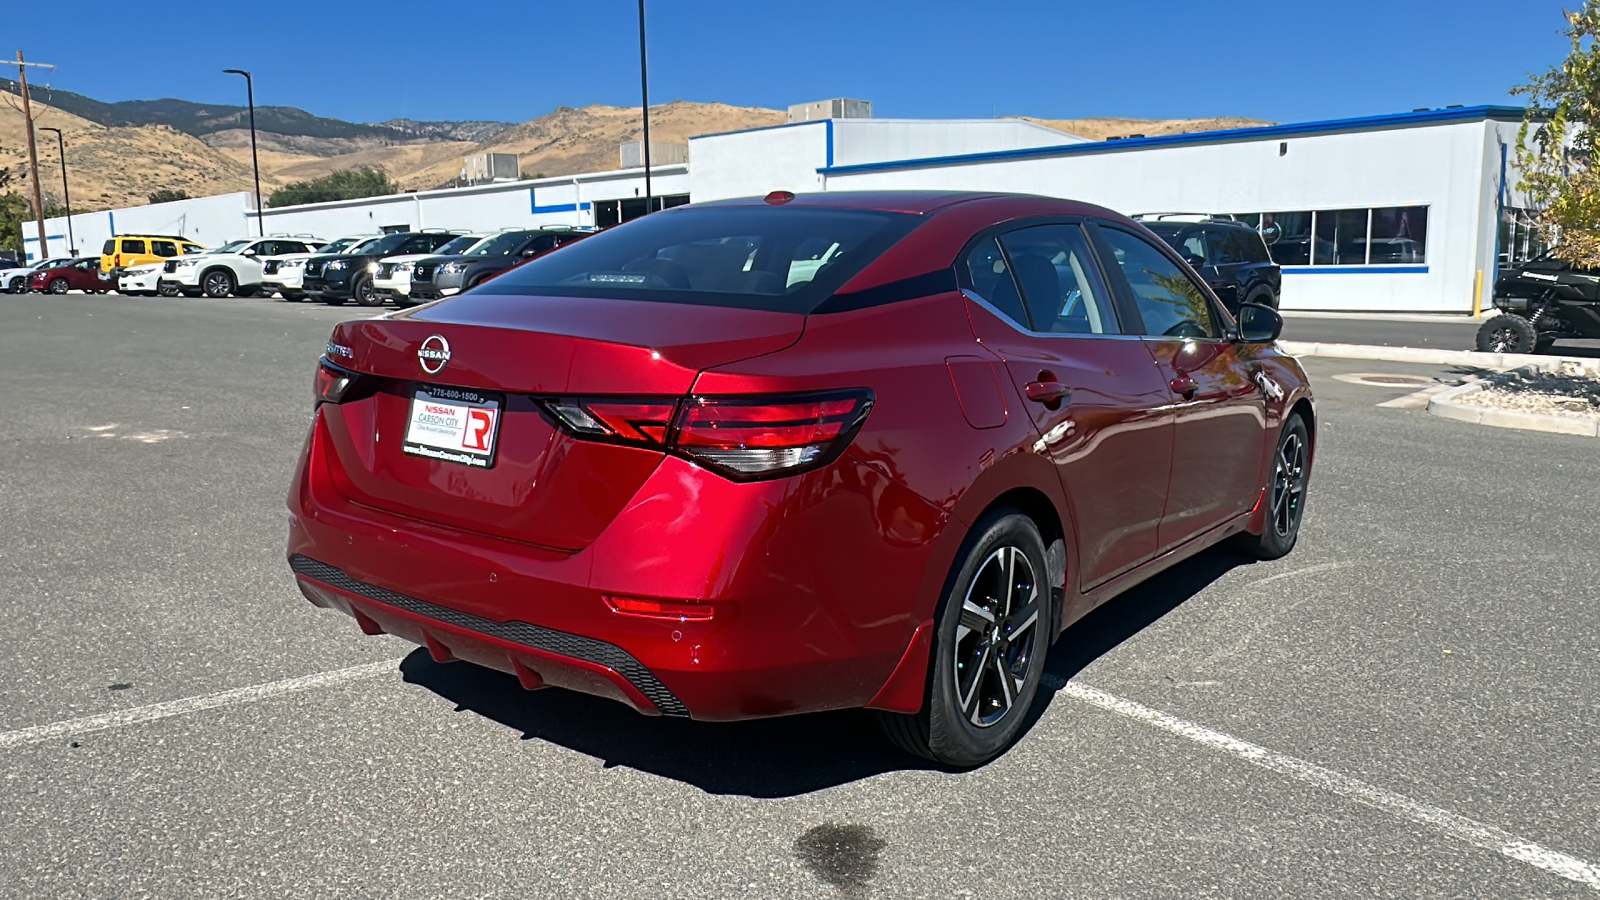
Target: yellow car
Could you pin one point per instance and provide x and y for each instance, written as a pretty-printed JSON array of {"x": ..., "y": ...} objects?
[{"x": 137, "y": 249}]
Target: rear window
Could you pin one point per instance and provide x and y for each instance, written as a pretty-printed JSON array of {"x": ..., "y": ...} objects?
[
  {"x": 110, "y": 247},
  {"x": 782, "y": 258}
]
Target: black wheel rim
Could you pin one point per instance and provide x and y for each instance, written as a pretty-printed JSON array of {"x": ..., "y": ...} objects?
[
  {"x": 995, "y": 637},
  {"x": 1502, "y": 339},
  {"x": 217, "y": 284},
  {"x": 364, "y": 293},
  {"x": 1289, "y": 484}
]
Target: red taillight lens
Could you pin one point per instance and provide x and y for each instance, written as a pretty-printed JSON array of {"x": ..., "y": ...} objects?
[
  {"x": 742, "y": 438},
  {"x": 651, "y": 608},
  {"x": 759, "y": 437},
  {"x": 332, "y": 383}
]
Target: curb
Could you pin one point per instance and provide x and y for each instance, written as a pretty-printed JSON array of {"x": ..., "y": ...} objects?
[
  {"x": 1443, "y": 405},
  {"x": 1428, "y": 356}
]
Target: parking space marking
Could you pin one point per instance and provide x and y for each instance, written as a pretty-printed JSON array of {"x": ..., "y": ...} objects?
[
  {"x": 186, "y": 705},
  {"x": 1319, "y": 567},
  {"x": 1443, "y": 821}
]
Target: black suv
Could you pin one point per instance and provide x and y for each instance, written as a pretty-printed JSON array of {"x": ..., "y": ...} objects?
[
  {"x": 334, "y": 278},
  {"x": 1229, "y": 255},
  {"x": 445, "y": 276}
]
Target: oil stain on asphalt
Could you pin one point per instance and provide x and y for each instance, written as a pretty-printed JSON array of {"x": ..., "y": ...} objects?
[{"x": 845, "y": 856}]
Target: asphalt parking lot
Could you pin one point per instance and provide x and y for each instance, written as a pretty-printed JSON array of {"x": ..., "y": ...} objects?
[{"x": 1407, "y": 706}]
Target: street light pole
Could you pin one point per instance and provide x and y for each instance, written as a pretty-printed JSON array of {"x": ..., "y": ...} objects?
[
  {"x": 66, "y": 195},
  {"x": 644, "y": 91},
  {"x": 255, "y": 162}
]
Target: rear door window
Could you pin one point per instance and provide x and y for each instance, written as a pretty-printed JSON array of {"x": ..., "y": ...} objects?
[
  {"x": 989, "y": 274},
  {"x": 163, "y": 248},
  {"x": 1222, "y": 247},
  {"x": 738, "y": 256},
  {"x": 132, "y": 246}
]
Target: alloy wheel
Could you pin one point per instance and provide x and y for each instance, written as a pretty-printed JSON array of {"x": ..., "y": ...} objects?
[
  {"x": 1288, "y": 484},
  {"x": 1502, "y": 339},
  {"x": 218, "y": 285},
  {"x": 994, "y": 639}
]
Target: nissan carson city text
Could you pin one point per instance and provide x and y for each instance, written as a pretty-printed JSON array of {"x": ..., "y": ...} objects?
[{"x": 797, "y": 453}]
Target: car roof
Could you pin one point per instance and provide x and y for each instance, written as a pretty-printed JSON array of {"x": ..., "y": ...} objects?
[{"x": 929, "y": 202}]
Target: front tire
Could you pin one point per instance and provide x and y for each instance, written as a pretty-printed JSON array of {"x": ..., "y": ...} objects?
[
  {"x": 361, "y": 291},
  {"x": 58, "y": 286},
  {"x": 990, "y": 642},
  {"x": 217, "y": 283},
  {"x": 1286, "y": 495},
  {"x": 166, "y": 290},
  {"x": 18, "y": 285},
  {"x": 1508, "y": 333}
]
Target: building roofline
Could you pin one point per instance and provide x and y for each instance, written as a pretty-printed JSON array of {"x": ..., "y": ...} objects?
[
  {"x": 1265, "y": 132},
  {"x": 657, "y": 170}
]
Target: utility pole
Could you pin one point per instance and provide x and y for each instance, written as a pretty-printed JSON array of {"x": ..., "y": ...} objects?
[
  {"x": 644, "y": 90},
  {"x": 33, "y": 151}
]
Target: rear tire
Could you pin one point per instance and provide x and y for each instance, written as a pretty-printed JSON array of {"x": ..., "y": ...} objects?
[
  {"x": 292, "y": 296},
  {"x": 1508, "y": 333},
  {"x": 1263, "y": 296},
  {"x": 1285, "y": 495},
  {"x": 332, "y": 300},
  {"x": 994, "y": 622}
]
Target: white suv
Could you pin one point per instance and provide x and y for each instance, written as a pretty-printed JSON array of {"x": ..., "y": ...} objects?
[
  {"x": 283, "y": 274},
  {"x": 392, "y": 281},
  {"x": 233, "y": 268}
]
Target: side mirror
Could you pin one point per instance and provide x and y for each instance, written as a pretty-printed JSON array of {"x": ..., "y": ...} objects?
[{"x": 1259, "y": 324}]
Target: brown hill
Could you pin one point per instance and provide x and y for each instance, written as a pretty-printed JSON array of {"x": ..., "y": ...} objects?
[
  {"x": 1100, "y": 129},
  {"x": 112, "y": 167},
  {"x": 571, "y": 141}
]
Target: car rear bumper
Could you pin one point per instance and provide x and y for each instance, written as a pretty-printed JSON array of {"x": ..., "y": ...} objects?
[{"x": 792, "y": 628}]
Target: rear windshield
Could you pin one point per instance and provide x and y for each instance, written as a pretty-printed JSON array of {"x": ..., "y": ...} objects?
[{"x": 782, "y": 258}]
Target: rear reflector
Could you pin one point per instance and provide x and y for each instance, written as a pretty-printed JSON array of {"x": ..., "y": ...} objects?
[
  {"x": 651, "y": 608},
  {"x": 743, "y": 438}
]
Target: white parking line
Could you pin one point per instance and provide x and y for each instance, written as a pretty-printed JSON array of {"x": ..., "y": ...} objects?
[
  {"x": 154, "y": 711},
  {"x": 1448, "y": 823}
]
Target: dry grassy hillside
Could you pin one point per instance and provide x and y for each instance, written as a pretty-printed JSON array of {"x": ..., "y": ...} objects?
[
  {"x": 1100, "y": 129},
  {"x": 569, "y": 141},
  {"x": 111, "y": 167}
]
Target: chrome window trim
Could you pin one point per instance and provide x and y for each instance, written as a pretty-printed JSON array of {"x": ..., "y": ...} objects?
[{"x": 1017, "y": 327}]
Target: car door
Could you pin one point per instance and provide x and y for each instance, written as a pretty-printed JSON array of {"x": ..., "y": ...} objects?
[
  {"x": 1038, "y": 301},
  {"x": 1219, "y": 410}
]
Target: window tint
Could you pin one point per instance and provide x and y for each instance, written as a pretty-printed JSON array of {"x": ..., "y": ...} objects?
[
  {"x": 1170, "y": 302},
  {"x": 991, "y": 279},
  {"x": 1053, "y": 266},
  {"x": 738, "y": 256},
  {"x": 110, "y": 247},
  {"x": 1193, "y": 248},
  {"x": 132, "y": 246},
  {"x": 1223, "y": 247},
  {"x": 163, "y": 248}
]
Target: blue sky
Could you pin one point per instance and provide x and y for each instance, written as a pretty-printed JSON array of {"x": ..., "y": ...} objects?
[{"x": 1283, "y": 60}]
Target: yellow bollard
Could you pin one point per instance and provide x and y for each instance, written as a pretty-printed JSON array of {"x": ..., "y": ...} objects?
[{"x": 1477, "y": 295}]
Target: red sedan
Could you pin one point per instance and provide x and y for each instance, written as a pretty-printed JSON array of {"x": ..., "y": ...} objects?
[
  {"x": 79, "y": 275},
  {"x": 788, "y": 454}
]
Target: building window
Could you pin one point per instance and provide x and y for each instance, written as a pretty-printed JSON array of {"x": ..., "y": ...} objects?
[
  {"x": 1520, "y": 239},
  {"x": 1374, "y": 236}
]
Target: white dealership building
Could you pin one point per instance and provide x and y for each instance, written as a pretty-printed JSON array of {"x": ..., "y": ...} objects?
[{"x": 1411, "y": 212}]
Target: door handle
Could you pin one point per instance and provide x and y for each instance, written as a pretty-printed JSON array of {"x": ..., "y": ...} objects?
[
  {"x": 1048, "y": 392},
  {"x": 1184, "y": 385}
]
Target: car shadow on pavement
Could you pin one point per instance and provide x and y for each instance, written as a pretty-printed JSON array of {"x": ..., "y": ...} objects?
[{"x": 789, "y": 755}]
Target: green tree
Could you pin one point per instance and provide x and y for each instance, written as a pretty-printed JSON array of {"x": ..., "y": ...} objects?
[
  {"x": 1557, "y": 144},
  {"x": 345, "y": 184},
  {"x": 14, "y": 212},
  {"x": 167, "y": 195}
]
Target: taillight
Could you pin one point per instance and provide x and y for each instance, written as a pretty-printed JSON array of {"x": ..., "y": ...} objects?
[
  {"x": 332, "y": 383},
  {"x": 744, "y": 438}
]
